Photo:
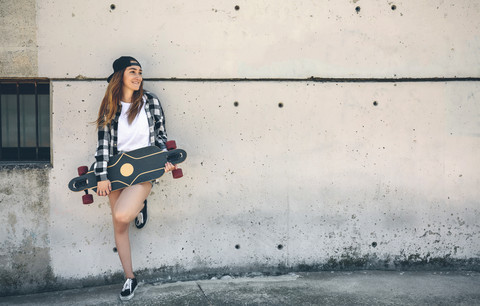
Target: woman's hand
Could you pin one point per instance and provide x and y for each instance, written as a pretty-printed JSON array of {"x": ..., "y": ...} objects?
[
  {"x": 169, "y": 167},
  {"x": 104, "y": 188}
]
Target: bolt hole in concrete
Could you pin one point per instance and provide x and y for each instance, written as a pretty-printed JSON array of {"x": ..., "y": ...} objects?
[
  {"x": 394, "y": 7},
  {"x": 357, "y": 9},
  {"x": 374, "y": 244},
  {"x": 235, "y": 104},
  {"x": 375, "y": 103},
  {"x": 237, "y": 246},
  {"x": 280, "y": 105},
  {"x": 237, "y": 7},
  {"x": 112, "y": 6},
  {"x": 114, "y": 250},
  {"x": 280, "y": 247}
]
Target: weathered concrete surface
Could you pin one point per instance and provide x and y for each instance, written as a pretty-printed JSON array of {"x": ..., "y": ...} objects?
[
  {"x": 262, "y": 39},
  {"x": 24, "y": 241},
  {"x": 281, "y": 176},
  {"x": 18, "y": 32},
  {"x": 328, "y": 181},
  {"x": 324, "y": 288}
]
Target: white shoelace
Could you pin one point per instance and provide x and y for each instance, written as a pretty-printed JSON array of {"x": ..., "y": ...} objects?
[
  {"x": 127, "y": 285},
  {"x": 140, "y": 219}
]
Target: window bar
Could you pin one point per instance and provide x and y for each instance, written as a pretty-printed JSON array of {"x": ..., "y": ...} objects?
[
  {"x": 18, "y": 121},
  {"x": 36, "y": 121}
]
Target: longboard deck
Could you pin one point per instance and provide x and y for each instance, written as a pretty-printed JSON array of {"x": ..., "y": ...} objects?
[{"x": 129, "y": 168}]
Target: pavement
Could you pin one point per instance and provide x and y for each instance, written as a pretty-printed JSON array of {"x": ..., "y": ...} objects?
[{"x": 312, "y": 288}]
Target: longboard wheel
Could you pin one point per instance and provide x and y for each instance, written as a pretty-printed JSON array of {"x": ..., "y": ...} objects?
[
  {"x": 177, "y": 173},
  {"x": 82, "y": 170},
  {"x": 171, "y": 145},
  {"x": 87, "y": 199}
]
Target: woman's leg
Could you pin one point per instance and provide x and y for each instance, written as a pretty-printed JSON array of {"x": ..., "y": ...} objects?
[{"x": 125, "y": 205}]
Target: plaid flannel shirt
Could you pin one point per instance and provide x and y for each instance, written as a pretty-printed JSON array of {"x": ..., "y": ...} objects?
[{"x": 107, "y": 136}]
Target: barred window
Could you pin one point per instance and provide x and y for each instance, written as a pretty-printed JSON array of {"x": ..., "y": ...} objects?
[{"x": 24, "y": 121}]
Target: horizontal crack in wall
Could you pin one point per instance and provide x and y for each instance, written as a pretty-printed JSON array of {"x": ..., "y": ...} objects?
[{"x": 311, "y": 79}]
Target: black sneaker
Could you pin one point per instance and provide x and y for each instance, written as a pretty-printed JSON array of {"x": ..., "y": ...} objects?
[
  {"x": 141, "y": 219},
  {"x": 128, "y": 290}
]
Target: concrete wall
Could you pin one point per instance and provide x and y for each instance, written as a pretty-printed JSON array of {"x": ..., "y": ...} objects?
[
  {"x": 301, "y": 39},
  {"x": 25, "y": 244},
  {"x": 284, "y": 174},
  {"x": 24, "y": 190},
  {"x": 18, "y": 32}
]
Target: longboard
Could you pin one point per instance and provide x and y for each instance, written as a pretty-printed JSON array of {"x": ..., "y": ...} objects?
[{"x": 130, "y": 168}]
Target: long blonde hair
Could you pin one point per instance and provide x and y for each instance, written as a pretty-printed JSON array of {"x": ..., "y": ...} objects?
[{"x": 111, "y": 101}]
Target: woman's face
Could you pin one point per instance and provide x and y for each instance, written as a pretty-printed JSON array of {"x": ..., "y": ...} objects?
[{"x": 132, "y": 78}]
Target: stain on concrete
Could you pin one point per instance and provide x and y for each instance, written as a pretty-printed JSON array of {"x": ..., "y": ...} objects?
[
  {"x": 6, "y": 191},
  {"x": 24, "y": 248},
  {"x": 12, "y": 221},
  {"x": 27, "y": 270}
]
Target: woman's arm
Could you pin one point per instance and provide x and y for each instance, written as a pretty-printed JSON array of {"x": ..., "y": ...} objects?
[
  {"x": 102, "y": 153},
  {"x": 102, "y": 156},
  {"x": 159, "y": 120}
]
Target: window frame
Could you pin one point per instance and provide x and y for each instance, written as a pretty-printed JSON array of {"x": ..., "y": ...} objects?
[{"x": 42, "y": 155}]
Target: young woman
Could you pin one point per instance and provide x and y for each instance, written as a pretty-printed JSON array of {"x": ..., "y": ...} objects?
[{"x": 129, "y": 118}]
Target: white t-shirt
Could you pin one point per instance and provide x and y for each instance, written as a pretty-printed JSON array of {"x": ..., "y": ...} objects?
[{"x": 132, "y": 136}]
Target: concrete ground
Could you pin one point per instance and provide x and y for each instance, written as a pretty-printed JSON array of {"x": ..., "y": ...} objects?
[{"x": 316, "y": 288}]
